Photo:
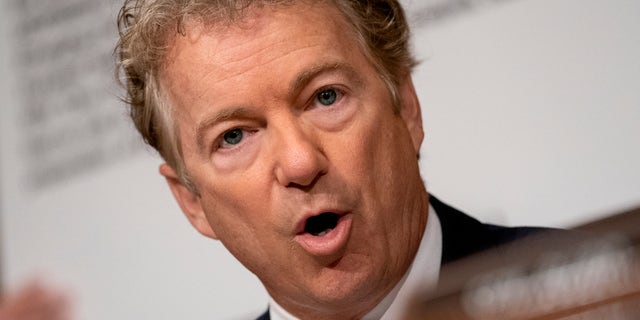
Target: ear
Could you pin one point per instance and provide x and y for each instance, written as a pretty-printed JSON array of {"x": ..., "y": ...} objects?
[
  {"x": 410, "y": 112},
  {"x": 188, "y": 202}
]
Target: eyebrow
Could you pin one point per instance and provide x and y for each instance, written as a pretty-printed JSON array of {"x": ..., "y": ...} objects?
[{"x": 303, "y": 78}]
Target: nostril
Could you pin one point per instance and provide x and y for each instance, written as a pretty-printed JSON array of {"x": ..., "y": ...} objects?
[
  {"x": 321, "y": 224},
  {"x": 306, "y": 185}
]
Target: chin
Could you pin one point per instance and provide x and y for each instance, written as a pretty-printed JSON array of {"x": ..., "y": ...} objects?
[{"x": 346, "y": 286}]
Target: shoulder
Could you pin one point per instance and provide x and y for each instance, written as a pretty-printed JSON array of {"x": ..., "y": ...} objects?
[
  {"x": 264, "y": 316},
  {"x": 463, "y": 235}
]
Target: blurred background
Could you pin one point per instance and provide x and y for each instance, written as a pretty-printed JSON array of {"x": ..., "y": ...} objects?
[{"x": 531, "y": 110}]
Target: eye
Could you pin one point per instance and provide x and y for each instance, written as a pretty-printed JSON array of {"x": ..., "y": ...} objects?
[
  {"x": 232, "y": 137},
  {"x": 327, "y": 97}
]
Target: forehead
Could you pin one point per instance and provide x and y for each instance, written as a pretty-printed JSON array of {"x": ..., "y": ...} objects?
[
  {"x": 214, "y": 67},
  {"x": 261, "y": 35}
]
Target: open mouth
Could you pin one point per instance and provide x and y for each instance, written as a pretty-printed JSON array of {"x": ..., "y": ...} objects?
[
  {"x": 325, "y": 234},
  {"x": 321, "y": 224}
]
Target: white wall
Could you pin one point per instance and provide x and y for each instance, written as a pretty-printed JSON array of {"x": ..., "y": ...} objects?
[
  {"x": 530, "y": 110},
  {"x": 83, "y": 205}
]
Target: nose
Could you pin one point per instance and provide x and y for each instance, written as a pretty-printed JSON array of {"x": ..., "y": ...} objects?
[{"x": 300, "y": 159}]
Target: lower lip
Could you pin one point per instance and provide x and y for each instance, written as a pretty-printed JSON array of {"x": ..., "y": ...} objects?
[{"x": 330, "y": 243}]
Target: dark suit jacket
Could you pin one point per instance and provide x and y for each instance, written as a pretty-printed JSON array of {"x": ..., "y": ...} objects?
[{"x": 463, "y": 235}]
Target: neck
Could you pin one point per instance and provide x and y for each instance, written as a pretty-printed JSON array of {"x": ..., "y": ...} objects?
[{"x": 343, "y": 309}]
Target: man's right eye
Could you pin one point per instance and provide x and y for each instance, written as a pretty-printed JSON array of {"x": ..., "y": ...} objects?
[{"x": 232, "y": 137}]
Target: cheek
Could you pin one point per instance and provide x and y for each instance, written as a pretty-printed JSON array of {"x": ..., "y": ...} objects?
[
  {"x": 241, "y": 157},
  {"x": 235, "y": 206},
  {"x": 238, "y": 227},
  {"x": 243, "y": 224},
  {"x": 375, "y": 151},
  {"x": 384, "y": 167}
]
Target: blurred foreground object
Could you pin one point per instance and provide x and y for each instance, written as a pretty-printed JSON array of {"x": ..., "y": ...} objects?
[
  {"x": 592, "y": 272},
  {"x": 34, "y": 301}
]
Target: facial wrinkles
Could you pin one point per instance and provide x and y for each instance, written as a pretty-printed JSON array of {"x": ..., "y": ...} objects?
[
  {"x": 221, "y": 212},
  {"x": 282, "y": 223},
  {"x": 269, "y": 51},
  {"x": 244, "y": 87},
  {"x": 389, "y": 229},
  {"x": 407, "y": 225},
  {"x": 264, "y": 47},
  {"x": 237, "y": 74}
]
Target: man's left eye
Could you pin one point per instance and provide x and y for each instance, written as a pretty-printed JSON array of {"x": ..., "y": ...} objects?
[
  {"x": 327, "y": 97},
  {"x": 233, "y": 137}
]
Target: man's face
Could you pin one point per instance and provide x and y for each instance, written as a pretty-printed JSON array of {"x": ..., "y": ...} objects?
[{"x": 304, "y": 171}]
